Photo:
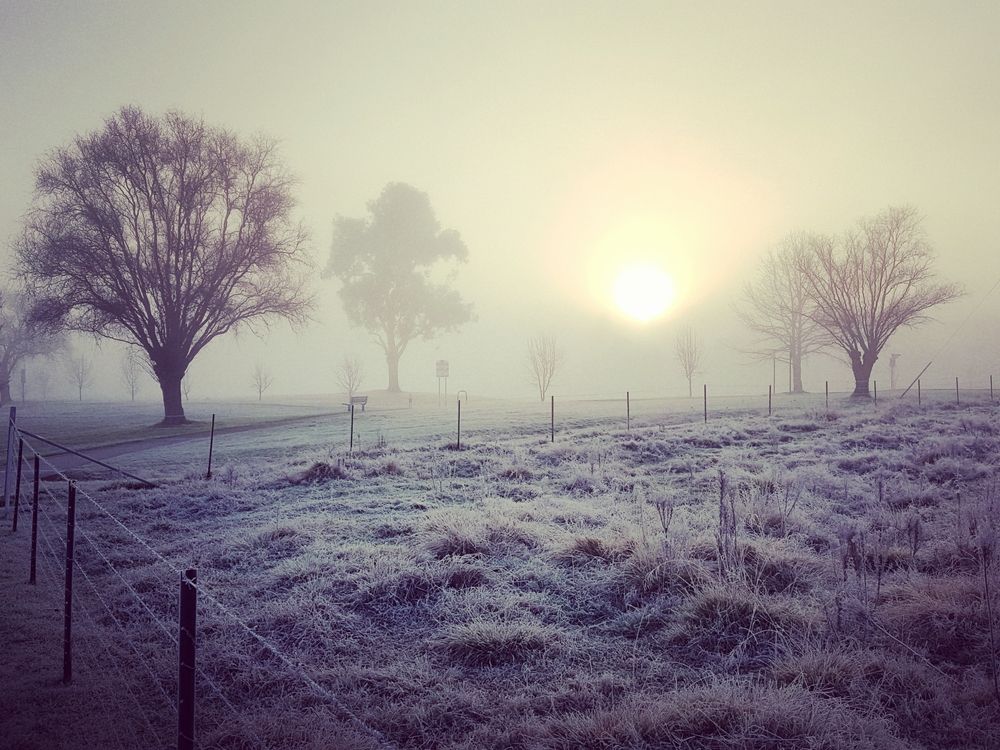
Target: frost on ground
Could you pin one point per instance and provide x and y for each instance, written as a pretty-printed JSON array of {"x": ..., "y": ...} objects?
[{"x": 818, "y": 579}]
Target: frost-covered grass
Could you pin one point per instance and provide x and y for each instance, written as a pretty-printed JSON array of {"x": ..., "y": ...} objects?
[{"x": 816, "y": 579}]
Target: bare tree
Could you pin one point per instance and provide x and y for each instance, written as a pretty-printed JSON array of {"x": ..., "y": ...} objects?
[
  {"x": 349, "y": 375},
  {"x": 21, "y": 337},
  {"x": 775, "y": 307},
  {"x": 262, "y": 379},
  {"x": 876, "y": 281},
  {"x": 165, "y": 233},
  {"x": 132, "y": 368},
  {"x": 186, "y": 386},
  {"x": 688, "y": 354},
  {"x": 544, "y": 358},
  {"x": 79, "y": 369}
]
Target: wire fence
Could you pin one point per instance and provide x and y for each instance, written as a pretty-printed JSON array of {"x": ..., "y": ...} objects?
[
  {"x": 126, "y": 624},
  {"x": 126, "y": 619}
]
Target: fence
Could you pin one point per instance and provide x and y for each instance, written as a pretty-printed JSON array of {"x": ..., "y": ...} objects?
[{"x": 75, "y": 543}]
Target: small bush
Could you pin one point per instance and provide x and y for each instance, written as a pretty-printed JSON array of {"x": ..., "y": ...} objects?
[{"x": 651, "y": 571}]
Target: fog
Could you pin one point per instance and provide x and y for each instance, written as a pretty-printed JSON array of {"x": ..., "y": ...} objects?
[{"x": 563, "y": 141}]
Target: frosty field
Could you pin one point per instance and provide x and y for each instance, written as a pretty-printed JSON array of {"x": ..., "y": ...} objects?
[{"x": 817, "y": 579}]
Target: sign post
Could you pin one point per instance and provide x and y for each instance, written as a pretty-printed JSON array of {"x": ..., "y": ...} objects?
[{"x": 442, "y": 375}]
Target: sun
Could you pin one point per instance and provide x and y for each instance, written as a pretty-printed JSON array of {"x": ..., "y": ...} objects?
[{"x": 643, "y": 291}]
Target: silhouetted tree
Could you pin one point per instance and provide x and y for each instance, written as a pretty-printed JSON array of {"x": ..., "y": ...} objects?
[
  {"x": 79, "y": 369},
  {"x": 21, "y": 337},
  {"x": 877, "y": 280},
  {"x": 165, "y": 233},
  {"x": 688, "y": 354},
  {"x": 775, "y": 306},
  {"x": 132, "y": 370},
  {"x": 262, "y": 379},
  {"x": 386, "y": 263},
  {"x": 544, "y": 358},
  {"x": 186, "y": 386},
  {"x": 349, "y": 375}
]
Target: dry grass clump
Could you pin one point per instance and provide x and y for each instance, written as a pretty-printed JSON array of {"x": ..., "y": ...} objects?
[
  {"x": 776, "y": 566},
  {"x": 651, "y": 570},
  {"x": 925, "y": 704},
  {"x": 458, "y": 533},
  {"x": 944, "y": 616},
  {"x": 719, "y": 716},
  {"x": 585, "y": 549},
  {"x": 733, "y": 620},
  {"x": 488, "y": 642},
  {"x": 319, "y": 472},
  {"x": 407, "y": 583}
]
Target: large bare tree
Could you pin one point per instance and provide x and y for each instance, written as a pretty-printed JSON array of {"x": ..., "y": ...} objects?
[
  {"x": 349, "y": 375},
  {"x": 688, "y": 353},
  {"x": 878, "y": 279},
  {"x": 21, "y": 337},
  {"x": 164, "y": 232},
  {"x": 544, "y": 358},
  {"x": 775, "y": 306},
  {"x": 389, "y": 265}
]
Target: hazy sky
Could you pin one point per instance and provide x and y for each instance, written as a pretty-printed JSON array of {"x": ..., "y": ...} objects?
[{"x": 563, "y": 141}]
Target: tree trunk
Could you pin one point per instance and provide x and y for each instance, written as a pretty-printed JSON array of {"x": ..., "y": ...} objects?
[
  {"x": 862, "y": 368},
  {"x": 80, "y": 392},
  {"x": 690, "y": 391},
  {"x": 4, "y": 391},
  {"x": 392, "y": 360},
  {"x": 173, "y": 405},
  {"x": 796, "y": 359}
]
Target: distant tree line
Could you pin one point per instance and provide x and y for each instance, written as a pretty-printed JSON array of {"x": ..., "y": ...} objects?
[{"x": 165, "y": 233}]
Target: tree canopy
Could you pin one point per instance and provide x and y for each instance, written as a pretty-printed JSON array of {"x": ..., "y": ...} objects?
[
  {"x": 393, "y": 266},
  {"x": 164, "y": 232}
]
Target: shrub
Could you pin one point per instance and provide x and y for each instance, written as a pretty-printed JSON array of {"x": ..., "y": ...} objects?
[{"x": 650, "y": 571}]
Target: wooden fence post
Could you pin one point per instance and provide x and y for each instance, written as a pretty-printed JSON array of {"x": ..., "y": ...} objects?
[
  {"x": 957, "y": 400},
  {"x": 458, "y": 439},
  {"x": 628, "y": 412},
  {"x": 34, "y": 523},
  {"x": 875, "y": 386},
  {"x": 704, "y": 390},
  {"x": 351, "y": 450},
  {"x": 827, "y": 395},
  {"x": 17, "y": 483},
  {"x": 991, "y": 389},
  {"x": 769, "y": 389},
  {"x": 186, "y": 660},
  {"x": 68, "y": 592},
  {"x": 919, "y": 400},
  {"x": 211, "y": 445}
]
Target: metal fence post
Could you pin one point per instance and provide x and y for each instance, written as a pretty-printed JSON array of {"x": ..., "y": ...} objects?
[
  {"x": 8, "y": 467},
  {"x": 34, "y": 523},
  {"x": 17, "y": 484},
  {"x": 186, "y": 660},
  {"x": 68, "y": 594},
  {"x": 211, "y": 445}
]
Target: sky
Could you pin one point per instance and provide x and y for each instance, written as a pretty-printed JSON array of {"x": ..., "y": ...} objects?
[{"x": 564, "y": 141}]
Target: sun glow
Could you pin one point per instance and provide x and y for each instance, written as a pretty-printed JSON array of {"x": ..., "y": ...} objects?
[{"x": 643, "y": 291}]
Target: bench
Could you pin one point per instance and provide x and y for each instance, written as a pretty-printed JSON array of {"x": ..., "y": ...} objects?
[{"x": 355, "y": 400}]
